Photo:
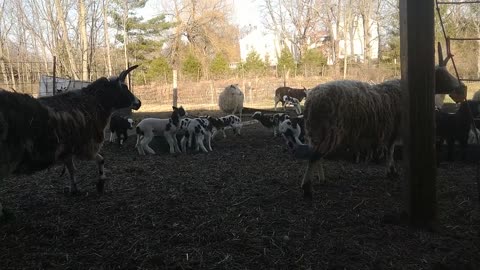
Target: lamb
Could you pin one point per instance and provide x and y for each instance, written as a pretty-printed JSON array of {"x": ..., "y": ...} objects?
[
  {"x": 119, "y": 126},
  {"x": 148, "y": 127},
  {"x": 293, "y": 131},
  {"x": 456, "y": 126},
  {"x": 346, "y": 113},
  {"x": 221, "y": 123},
  {"x": 38, "y": 133},
  {"x": 287, "y": 100},
  {"x": 231, "y": 100},
  {"x": 280, "y": 92},
  {"x": 199, "y": 128},
  {"x": 270, "y": 121}
]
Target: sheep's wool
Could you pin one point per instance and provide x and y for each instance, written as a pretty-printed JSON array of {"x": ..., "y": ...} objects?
[
  {"x": 352, "y": 113},
  {"x": 231, "y": 99}
]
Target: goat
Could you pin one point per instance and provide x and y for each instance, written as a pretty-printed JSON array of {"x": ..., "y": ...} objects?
[
  {"x": 148, "y": 127},
  {"x": 452, "y": 127},
  {"x": 221, "y": 123},
  {"x": 38, "y": 133},
  {"x": 119, "y": 126},
  {"x": 348, "y": 113},
  {"x": 280, "y": 92}
]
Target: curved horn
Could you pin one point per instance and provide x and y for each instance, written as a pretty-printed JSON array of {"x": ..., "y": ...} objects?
[
  {"x": 440, "y": 54},
  {"x": 124, "y": 73}
]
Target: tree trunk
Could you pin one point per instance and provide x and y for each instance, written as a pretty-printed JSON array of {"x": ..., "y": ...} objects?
[
  {"x": 107, "y": 40},
  {"x": 125, "y": 34},
  {"x": 66, "y": 41},
  {"x": 82, "y": 25}
]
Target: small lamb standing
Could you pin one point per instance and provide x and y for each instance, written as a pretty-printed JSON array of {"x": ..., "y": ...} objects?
[
  {"x": 199, "y": 129},
  {"x": 148, "y": 127},
  {"x": 38, "y": 133},
  {"x": 270, "y": 121},
  {"x": 280, "y": 92},
  {"x": 119, "y": 127},
  {"x": 221, "y": 123},
  {"x": 348, "y": 113},
  {"x": 287, "y": 100},
  {"x": 231, "y": 100}
]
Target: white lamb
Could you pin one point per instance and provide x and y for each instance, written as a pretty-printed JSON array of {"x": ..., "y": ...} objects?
[{"x": 148, "y": 127}]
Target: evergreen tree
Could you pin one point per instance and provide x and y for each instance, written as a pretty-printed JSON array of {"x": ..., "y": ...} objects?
[
  {"x": 253, "y": 63},
  {"x": 286, "y": 61},
  {"x": 219, "y": 66},
  {"x": 191, "y": 67},
  {"x": 158, "y": 69}
]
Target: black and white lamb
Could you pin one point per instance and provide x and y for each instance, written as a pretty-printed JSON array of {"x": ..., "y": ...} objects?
[
  {"x": 119, "y": 127},
  {"x": 456, "y": 127},
  {"x": 221, "y": 123},
  {"x": 270, "y": 121},
  {"x": 198, "y": 129},
  {"x": 349, "y": 114},
  {"x": 287, "y": 100},
  {"x": 280, "y": 92},
  {"x": 149, "y": 127},
  {"x": 38, "y": 133}
]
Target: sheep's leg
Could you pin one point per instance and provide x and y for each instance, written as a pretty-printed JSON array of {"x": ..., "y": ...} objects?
[
  {"x": 209, "y": 141},
  {"x": 276, "y": 102},
  {"x": 223, "y": 131},
  {"x": 111, "y": 137},
  {"x": 297, "y": 140},
  {"x": 175, "y": 143},
  {"x": 71, "y": 172},
  {"x": 171, "y": 142},
  {"x": 139, "y": 145},
  {"x": 307, "y": 179},
  {"x": 183, "y": 142},
  {"x": 200, "y": 138},
  {"x": 101, "y": 171},
  {"x": 147, "y": 138},
  {"x": 391, "y": 170},
  {"x": 320, "y": 172}
]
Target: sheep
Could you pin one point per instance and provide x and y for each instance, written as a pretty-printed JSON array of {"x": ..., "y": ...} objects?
[
  {"x": 280, "y": 92},
  {"x": 347, "y": 113},
  {"x": 293, "y": 131},
  {"x": 148, "y": 127},
  {"x": 456, "y": 126},
  {"x": 231, "y": 100},
  {"x": 476, "y": 95},
  {"x": 287, "y": 100},
  {"x": 199, "y": 128},
  {"x": 221, "y": 123},
  {"x": 119, "y": 126},
  {"x": 36, "y": 134},
  {"x": 270, "y": 121}
]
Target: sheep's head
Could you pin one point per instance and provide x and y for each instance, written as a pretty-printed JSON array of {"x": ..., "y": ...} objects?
[
  {"x": 115, "y": 93},
  {"x": 180, "y": 111},
  {"x": 446, "y": 83},
  {"x": 130, "y": 121}
]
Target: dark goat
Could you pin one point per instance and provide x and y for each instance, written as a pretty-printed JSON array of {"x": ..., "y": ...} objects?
[
  {"x": 38, "y": 133},
  {"x": 299, "y": 94},
  {"x": 119, "y": 126},
  {"x": 452, "y": 127}
]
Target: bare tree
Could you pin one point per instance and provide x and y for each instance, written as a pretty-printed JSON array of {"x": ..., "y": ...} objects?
[{"x": 82, "y": 24}]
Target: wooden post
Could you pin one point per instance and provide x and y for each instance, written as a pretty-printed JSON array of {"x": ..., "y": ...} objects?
[
  {"x": 54, "y": 79},
  {"x": 175, "y": 89},
  {"x": 417, "y": 67}
]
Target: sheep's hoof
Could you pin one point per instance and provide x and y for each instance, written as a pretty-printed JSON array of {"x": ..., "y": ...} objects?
[
  {"x": 101, "y": 186},
  {"x": 307, "y": 191}
]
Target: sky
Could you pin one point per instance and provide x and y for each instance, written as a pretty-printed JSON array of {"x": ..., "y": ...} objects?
[{"x": 246, "y": 11}]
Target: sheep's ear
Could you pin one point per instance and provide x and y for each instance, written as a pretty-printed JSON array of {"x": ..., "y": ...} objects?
[
  {"x": 174, "y": 108},
  {"x": 124, "y": 73}
]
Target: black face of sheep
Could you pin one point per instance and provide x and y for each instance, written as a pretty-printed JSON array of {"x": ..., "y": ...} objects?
[{"x": 123, "y": 98}]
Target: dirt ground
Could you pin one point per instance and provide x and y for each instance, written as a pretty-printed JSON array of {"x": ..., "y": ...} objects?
[{"x": 238, "y": 207}]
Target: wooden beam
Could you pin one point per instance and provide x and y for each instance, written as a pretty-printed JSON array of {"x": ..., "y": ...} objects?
[{"x": 417, "y": 64}]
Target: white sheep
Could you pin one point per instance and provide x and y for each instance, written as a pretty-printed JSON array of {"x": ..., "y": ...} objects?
[
  {"x": 231, "y": 100},
  {"x": 148, "y": 127}
]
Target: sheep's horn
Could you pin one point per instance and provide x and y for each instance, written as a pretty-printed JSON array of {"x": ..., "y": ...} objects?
[
  {"x": 442, "y": 62},
  {"x": 124, "y": 73}
]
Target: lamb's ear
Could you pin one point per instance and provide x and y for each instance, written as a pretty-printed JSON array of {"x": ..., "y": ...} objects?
[{"x": 174, "y": 108}]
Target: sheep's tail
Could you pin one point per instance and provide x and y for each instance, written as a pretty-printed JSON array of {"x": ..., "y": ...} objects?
[{"x": 140, "y": 135}]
